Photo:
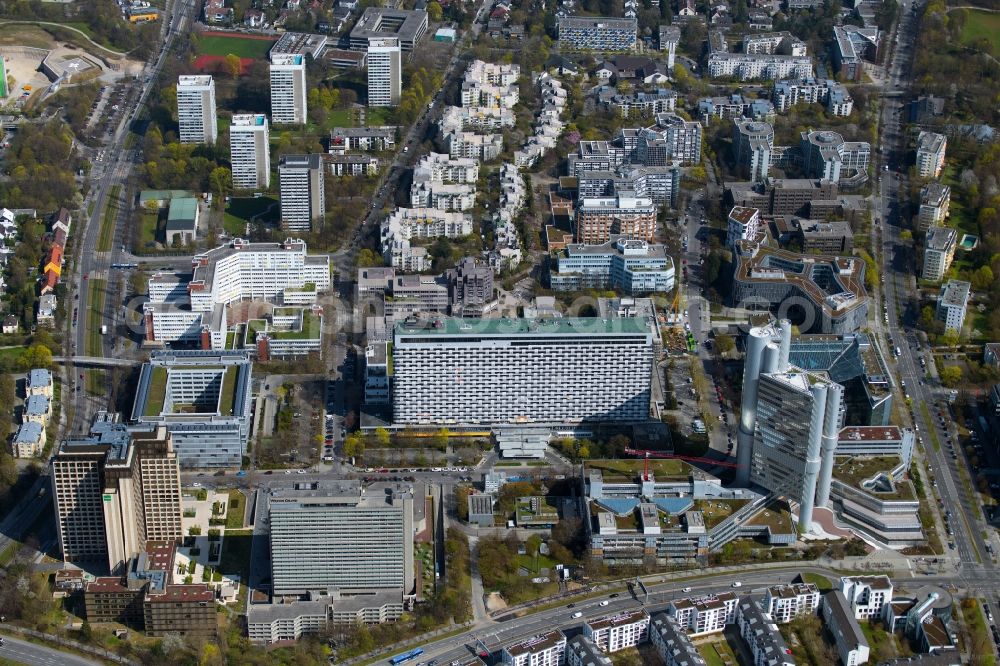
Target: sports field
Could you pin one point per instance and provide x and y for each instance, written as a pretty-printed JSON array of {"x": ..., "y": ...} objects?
[
  {"x": 244, "y": 47},
  {"x": 981, "y": 24}
]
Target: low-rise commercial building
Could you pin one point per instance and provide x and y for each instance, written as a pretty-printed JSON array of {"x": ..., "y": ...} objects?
[{"x": 379, "y": 22}]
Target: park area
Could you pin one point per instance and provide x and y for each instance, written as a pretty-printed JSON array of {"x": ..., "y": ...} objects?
[{"x": 981, "y": 24}]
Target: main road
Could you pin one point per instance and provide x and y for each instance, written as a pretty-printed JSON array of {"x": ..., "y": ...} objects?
[
  {"x": 33, "y": 654},
  {"x": 898, "y": 287}
]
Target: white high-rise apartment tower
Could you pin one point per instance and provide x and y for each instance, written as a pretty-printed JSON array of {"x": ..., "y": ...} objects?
[
  {"x": 196, "y": 109},
  {"x": 288, "y": 88},
  {"x": 249, "y": 152},
  {"x": 385, "y": 71},
  {"x": 302, "y": 196}
]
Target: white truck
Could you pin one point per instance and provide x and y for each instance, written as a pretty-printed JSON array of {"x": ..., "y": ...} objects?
[{"x": 104, "y": 329}]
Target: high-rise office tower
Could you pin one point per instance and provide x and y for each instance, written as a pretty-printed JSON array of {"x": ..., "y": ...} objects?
[
  {"x": 385, "y": 71},
  {"x": 196, "y": 109},
  {"x": 249, "y": 151},
  {"x": 114, "y": 491},
  {"x": 302, "y": 196},
  {"x": 339, "y": 535},
  {"x": 789, "y": 423},
  {"x": 288, "y": 88}
]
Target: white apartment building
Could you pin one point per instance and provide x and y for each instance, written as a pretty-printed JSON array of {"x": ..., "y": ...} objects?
[
  {"x": 745, "y": 67},
  {"x": 743, "y": 224},
  {"x": 761, "y": 633},
  {"x": 548, "y": 649},
  {"x": 772, "y": 43},
  {"x": 482, "y": 147},
  {"x": 250, "y": 151},
  {"x": 784, "y": 603},
  {"x": 303, "y": 199},
  {"x": 196, "y": 109},
  {"x": 930, "y": 154},
  {"x": 442, "y": 196},
  {"x": 385, "y": 71},
  {"x": 672, "y": 642},
  {"x": 753, "y": 147},
  {"x": 704, "y": 615},
  {"x": 952, "y": 304},
  {"x": 476, "y": 118},
  {"x": 447, "y": 370},
  {"x": 191, "y": 307},
  {"x": 629, "y": 264},
  {"x": 617, "y": 632},
  {"x": 790, "y": 92},
  {"x": 852, "y": 646},
  {"x": 939, "y": 251},
  {"x": 935, "y": 200},
  {"x": 288, "y": 88},
  {"x": 406, "y": 223},
  {"x": 441, "y": 168},
  {"x": 336, "y": 534},
  {"x": 825, "y": 155},
  {"x": 866, "y": 595},
  {"x": 581, "y": 651},
  {"x": 490, "y": 85}
]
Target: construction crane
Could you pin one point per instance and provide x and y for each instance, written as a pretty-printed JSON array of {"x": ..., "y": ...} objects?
[{"x": 646, "y": 454}]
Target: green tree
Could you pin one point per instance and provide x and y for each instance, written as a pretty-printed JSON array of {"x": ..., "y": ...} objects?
[
  {"x": 368, "y": 259},
  {"x": 434, "y": 11},
  {"x": 36, "y": 356},
  {"x": 221, "y": 182},
  {"x": 382, "y": 437},
  {"x": 951, "y": 375},
  {"x": 725, "y": 343},
  {"x": 233, "y": 65}
]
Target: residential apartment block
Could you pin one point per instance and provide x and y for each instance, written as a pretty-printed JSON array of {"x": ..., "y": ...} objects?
[
  {"x": 631, "y": 265},
  {"x": 597, "y": 33},
  {"x": 482, "y": 147},
  {"x": 825, "y": 155},
  {"x": 761, "y": 634},
  {"x": 202, "y": 398},
  {"x": 196, "y": 117},
  {"x": 113, "y": 491},
  {"x": 935, "y": 200},
  {"x": 597, "y": 219},
  {"x": 352, "y": 165},
  {"x": 784, "y": 603},
  {"x": 931, "y": 149},
  {"x": 852, "y": 46},
  {"x": 547, "y": 649},
  {"x": 852, "y": 646},
  {"x": 303, "y": 197},
  {"x": 369, "y": 139},
  {"x": 672, "y": 642},
  {"x": 406, "y": 223},
  {"x": 288, "y": 88},
  {"x": 952, "y": 304},
  {"x": 250, "y": 151},
  {"x": 708, "y": 614},
  {"x": 385, "y": 71},
  {"x": 581, "y": 651},
  {"x": 833, "y": 95},
  {"x": 743, "y": 223},
  {"x": 618, "y": 632},
  {"x": 866, "y": 596},
  {"x": 772, "y": 43},
  {"x": 746, "y": 67},
  {"x": 753, "y": 148},
  {"x": 939, "y": 251},
  {"x": 661, "y": 184},
  {"x": 543, "y": 364},
  {"x": 489, "y": 85}
]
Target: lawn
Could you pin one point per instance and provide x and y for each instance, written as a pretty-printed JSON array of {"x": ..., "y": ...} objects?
[
  {"x": 242, "y": 210},
  {"x": 341, "y": 118},
  {"x": 717, "y": 653},
  {"x": 95, "y": 301},
  {"x": 148, "y": 231},
  {"x": 378, "y": 115},
  {"x": 980, "y": 24},
  {"x": 237, "y": 508},
  {"x": 107, "y": 232},
  {"x": 236, "y": 553},
  {"x": 217, "y": 45},
  {"x": 822, "y": 582}
]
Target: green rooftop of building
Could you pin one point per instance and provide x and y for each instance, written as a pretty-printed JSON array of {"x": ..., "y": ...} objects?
[
  {"x": 534, "y": 327},
  {"x": 163, "y": 195}
]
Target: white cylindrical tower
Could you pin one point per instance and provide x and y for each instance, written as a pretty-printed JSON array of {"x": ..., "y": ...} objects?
[
  {"x": 785, "y": 344},
  {"x": 769, "y": 363},
  {"x": 810, "y": 471},
  {"x": 756, "y": 341},
  {"x": 831, "y": 432}
]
